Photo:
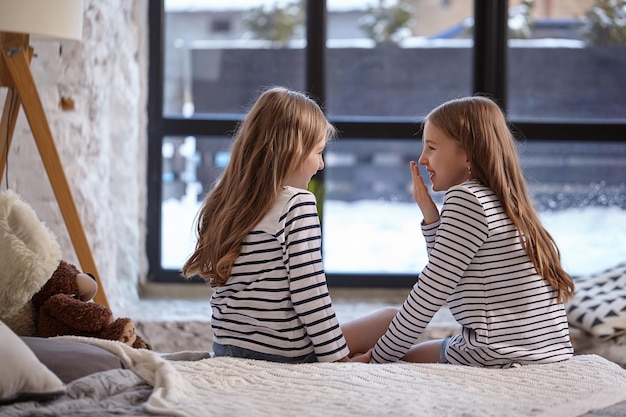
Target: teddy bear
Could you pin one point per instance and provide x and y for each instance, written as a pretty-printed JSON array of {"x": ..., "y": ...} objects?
[
  {"x": 40, "y": 293},
  {"x": 63, "y": 307}
]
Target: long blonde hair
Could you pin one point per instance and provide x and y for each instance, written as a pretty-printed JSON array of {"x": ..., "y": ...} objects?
[
  {"x": 276, "y": 136},
  {"x": 480, "y": 127}
]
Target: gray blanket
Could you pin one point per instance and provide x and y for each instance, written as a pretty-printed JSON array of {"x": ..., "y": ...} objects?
[{"x": 118, "y": 392}]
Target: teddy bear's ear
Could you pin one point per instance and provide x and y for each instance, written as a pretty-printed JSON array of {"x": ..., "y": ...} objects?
[{"x": 29, "y": 253}]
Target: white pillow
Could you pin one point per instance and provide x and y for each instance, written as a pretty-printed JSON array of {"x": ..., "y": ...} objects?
[{"x": 24, "y": 378}]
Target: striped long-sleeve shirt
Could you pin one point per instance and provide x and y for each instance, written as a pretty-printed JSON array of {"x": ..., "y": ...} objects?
[
  {"x": 276, "y": 300},
  {"x": 509, "y": 315}
]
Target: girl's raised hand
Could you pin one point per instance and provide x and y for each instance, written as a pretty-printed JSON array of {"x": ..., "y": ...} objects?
[{"x": 422, "y": 196}]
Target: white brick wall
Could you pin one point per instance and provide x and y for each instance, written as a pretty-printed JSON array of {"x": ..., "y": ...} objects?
[{"x": 101, "y": 142}]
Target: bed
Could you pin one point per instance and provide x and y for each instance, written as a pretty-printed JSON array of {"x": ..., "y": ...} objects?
[{"x": 191, "y": 383}]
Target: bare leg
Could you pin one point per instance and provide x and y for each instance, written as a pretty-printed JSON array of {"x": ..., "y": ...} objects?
[
  {"x": 362, "y": 334},
  {"x": 426, "y": 352}
]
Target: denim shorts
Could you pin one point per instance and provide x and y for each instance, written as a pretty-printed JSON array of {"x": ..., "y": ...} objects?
[
  {"x": 239, "y": 352},
  {"x": 442, "y": 351}
]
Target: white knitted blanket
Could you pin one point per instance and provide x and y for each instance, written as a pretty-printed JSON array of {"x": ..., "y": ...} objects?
[{"x": 238, "y": 387}]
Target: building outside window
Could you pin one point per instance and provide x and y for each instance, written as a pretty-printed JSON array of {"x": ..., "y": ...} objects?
[{"x": 383, "y": 66}]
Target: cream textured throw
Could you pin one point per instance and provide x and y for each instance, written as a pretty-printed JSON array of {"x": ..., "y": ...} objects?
[{"x": 237, "y": 387}]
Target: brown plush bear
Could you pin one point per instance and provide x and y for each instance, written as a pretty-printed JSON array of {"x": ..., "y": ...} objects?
[{"x": 63, "y": 307}]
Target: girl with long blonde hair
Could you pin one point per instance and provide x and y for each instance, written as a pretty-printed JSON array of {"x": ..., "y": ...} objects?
[
  {"x": 259, "y": 242},
  {"x": 490, "y": 258}
]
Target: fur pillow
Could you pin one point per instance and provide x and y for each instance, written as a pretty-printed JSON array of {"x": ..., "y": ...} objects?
[{"x": 29, "y": 254}]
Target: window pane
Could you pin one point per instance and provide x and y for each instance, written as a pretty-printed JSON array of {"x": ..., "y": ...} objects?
[
  {"x": 190, "y": 166},
  {"x": 402, "y": 67},
  {"x": 579, "y": 189},
  {"x": 218, "y": 55},
  {"x": 370, "y": 222},
  {"x": 372, "y": 225},
  {"x": 567, "y": 60}
]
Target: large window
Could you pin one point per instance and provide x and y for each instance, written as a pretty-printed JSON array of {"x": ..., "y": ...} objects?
[{"x": 557, "y": 75}]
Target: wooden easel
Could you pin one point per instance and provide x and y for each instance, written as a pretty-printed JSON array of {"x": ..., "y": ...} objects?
[{"x": 15, "y": 74}]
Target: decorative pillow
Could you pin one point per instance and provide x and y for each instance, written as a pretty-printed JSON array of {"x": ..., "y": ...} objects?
[
  {"x": 24, "y": 378},
  {"x": 70, "y": 360},
  {"x": 599, "y": 303}
]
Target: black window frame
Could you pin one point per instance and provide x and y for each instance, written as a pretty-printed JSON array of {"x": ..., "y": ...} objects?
[{"x": 489, "y": 77}]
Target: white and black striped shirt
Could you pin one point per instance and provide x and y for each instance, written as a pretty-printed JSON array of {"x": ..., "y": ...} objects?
[
  {"x": 509, "y": 315},
  {"x": 276, "y": 300}
]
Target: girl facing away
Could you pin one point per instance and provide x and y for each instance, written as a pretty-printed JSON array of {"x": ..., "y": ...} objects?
[
  {"x": 259, "y": 243},
  {"x": 489, "y": 257}
]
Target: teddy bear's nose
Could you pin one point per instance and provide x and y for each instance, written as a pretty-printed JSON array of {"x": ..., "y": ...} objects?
[{"x": 92, "y": 276}]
